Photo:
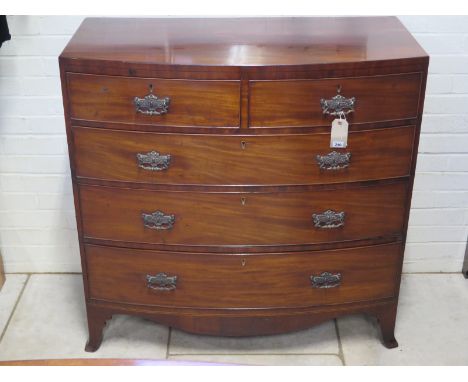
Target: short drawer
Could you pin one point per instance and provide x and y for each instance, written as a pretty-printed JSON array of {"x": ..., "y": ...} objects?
[
  {"x": 242, "y": 281},
  {"x": 242, "y": 219},
  {"x": 297, "y": 103},
  {"x": 160, "y": 101},
  {"x": 234, "y": 160}
]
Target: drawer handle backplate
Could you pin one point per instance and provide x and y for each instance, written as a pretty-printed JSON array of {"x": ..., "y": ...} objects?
[
  {"x": 333, "y": 160},
  {"x": 338, "y": 105},
  {"x": 152, "y": 104},
  {"x": 326, "y": 280},
  {"x": 153, "y": 161},
  {"x": 329, "y": 219},
  {"x": 158, "y": 220},
  {"x": 161, "y": 281}
]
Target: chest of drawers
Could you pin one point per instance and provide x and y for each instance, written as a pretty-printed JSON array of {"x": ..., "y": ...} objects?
[{"x": 207, "y": 195}]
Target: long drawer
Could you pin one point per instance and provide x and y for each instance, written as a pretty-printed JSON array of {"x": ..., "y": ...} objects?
[
  {"x": 242, "y": 281},
  {"x": 162, "y": 102},
  {"x": 298, "y": 102},
  {"x": 234, "y": 160},
  {"x": 217, "y": 219}
]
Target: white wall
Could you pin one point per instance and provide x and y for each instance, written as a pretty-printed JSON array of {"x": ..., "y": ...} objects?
[{"x": 37, "y": 222}]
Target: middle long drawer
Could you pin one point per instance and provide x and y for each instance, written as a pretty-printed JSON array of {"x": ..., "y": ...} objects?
[
  {"x": 241, "y": 160},
  {"x": 242, "y": 219}
]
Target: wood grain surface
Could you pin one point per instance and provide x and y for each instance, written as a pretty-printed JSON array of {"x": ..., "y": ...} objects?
[
  {"x": 192, "y": 103},
  {"x": 236, "y": 281},
  {"x": 297, "y": 102},
  {"x": 242, "y": 219},
  {"x": 198, "y": 159},
  {"x": 224, "y": 43}
]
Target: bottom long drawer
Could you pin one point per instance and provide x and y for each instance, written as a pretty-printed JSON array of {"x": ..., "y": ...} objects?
[{"x": 242, "y": 281}]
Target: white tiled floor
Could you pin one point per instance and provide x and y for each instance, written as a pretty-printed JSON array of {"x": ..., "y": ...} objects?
[
  {"x": 431, "y": 328},
  {"x": 43, "y": 316}
]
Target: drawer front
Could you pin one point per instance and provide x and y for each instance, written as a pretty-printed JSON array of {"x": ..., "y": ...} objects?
[
  {"x": 233, "y": 160},
  {"x": 297, "y": 103},
  {"x": 190, "y": 103},
  {"x": 242, "y": 281},
  {"x": 217, "y": 219}
]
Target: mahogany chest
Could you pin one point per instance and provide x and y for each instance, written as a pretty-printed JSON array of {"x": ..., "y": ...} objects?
[{"x": 208, "y": 196}]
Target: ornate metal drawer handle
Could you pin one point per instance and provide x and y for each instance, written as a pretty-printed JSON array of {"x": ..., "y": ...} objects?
[
  {"x": 329, "y": 219},
  {"x": 326, "y": 280},
  {"x": 152, "y": 104},
  {"x": 338, "y": 105},
  {"x": 333, "y": 160},
  {"x": 161, "y": 282},
  {"x": 153, "y": 161},
  {"x": 158, "y": 220}
]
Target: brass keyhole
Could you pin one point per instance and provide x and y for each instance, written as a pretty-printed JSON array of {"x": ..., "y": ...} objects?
[
  {"x": 243, "y": 262},
  {"x": 243, "y": 145},
  {"x": 243, "y": 200},
  {"x": 338, "y": 89}
]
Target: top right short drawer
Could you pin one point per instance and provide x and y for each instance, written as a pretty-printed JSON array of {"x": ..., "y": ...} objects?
[{"x": 297, "y": 103}]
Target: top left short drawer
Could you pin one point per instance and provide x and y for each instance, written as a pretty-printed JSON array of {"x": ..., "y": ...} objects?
[{"x": 154, "y": 101}]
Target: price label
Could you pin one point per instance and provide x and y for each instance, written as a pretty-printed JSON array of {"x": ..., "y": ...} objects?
[{"x": 339, "y": 133}]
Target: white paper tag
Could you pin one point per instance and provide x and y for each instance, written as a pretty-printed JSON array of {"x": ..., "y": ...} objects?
[{"x": 339, "y": 133}]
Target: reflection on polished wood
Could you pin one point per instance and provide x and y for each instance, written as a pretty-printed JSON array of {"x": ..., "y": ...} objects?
[{"x": 243, "y": 41}]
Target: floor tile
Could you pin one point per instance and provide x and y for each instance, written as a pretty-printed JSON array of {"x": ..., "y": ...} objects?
[
  {"x": 431, "y": 326},
  {"x": 50, "y": 322},
  {"x": 8, "y": 296},
  {"x": 133, "y": 337},
  {"x": 319, "y": 339},
  {"x": 264, "y": 359}
]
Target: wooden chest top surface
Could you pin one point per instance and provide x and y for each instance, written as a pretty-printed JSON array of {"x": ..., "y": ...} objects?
[{"x": 243, "y": 42}]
